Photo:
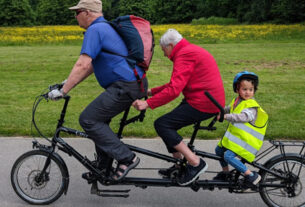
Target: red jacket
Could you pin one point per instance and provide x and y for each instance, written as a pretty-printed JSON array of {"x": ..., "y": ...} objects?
[{"x": 194, "y": 71}]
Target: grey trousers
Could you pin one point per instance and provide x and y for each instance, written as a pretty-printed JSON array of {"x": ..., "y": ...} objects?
[{"x": 96, "y": 117}]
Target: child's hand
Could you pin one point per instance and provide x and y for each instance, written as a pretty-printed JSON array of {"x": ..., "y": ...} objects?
[{"x": 218, "y": 116}]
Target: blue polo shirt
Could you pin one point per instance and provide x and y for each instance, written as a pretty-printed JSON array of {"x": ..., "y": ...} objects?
[{"x": 108, "y": 68}]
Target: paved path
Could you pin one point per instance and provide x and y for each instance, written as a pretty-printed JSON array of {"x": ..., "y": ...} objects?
[{"x": 79, "y": 192}]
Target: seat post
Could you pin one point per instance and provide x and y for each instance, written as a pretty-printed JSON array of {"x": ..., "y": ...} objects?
[
  {"x": 123, "y": 122},
  {"x": 196, "y": 128}
]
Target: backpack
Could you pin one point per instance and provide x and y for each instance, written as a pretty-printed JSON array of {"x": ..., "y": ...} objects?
[{"x": 138, "y": 37}]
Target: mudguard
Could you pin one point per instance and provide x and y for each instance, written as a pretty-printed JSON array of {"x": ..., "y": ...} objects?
[{"x": 281, "y": 155}]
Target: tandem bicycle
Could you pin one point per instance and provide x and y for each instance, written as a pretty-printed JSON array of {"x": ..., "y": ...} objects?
[{"x": 41, "y": 176}]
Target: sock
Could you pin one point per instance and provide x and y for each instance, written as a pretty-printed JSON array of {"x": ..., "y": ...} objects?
[{"x": 251, "y": 174}]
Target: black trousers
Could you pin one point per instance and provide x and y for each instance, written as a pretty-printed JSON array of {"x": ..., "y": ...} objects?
[
  {"x": 96, "y": 117},
  {"x": 168, "y": 124}
]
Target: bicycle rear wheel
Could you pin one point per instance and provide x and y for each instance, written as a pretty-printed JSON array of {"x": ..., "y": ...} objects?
[
  {"x": 293, "y": 194},
  {"x": 34, "y": 187}
]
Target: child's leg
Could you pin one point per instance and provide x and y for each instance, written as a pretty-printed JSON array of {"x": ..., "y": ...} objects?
[
  {"x": 250, "y": 177},
  {"x": 230, "y": 157},
  {"x": 220, "y": 152}
]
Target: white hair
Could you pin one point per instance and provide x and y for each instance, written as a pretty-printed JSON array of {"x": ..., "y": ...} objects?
[{"x": 171, "y": 36}]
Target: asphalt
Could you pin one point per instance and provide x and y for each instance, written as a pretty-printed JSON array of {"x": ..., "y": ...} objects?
[{"x": 79, "y": 191}]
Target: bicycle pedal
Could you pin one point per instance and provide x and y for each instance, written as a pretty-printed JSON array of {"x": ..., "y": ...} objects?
[
  {"x": 195, "y": 187},
  {"x": 89, "y": 177}
]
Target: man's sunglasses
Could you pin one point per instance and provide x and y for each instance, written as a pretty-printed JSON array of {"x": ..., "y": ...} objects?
[{"x": 77, "y": 12}]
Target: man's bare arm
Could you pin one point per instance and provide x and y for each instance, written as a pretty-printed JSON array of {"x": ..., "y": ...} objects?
[{"x": 80, "y": 71}]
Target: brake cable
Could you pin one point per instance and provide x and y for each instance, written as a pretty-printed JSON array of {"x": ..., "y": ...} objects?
[{"x": 37, "y": 101}]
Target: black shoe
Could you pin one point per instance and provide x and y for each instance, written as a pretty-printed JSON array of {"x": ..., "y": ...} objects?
[
  {"x": 169, "y": 172},
  {"x": 192, "y": 173},
  {"x": 98, "y": 164},
  {"x": 101, "y": 162},
  {"x": 222, "y": 176},
  {"x": 251, "y": 181}
]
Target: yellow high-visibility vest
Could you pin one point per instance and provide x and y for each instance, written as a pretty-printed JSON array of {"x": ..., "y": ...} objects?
[{"x": 246, "y": 139}]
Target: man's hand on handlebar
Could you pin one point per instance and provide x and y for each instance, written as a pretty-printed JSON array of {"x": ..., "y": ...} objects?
[
  {"x": 56, "y": 91},
  {"x": 56, "y": 94}
]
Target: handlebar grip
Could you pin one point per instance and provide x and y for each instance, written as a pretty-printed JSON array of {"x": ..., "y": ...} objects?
[{"x": 216, "y": 104}]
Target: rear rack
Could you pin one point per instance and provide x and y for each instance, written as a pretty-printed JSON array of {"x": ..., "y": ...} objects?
[
  {"x": 281, "y": 145},
  {"x": 287, "y": 143}
]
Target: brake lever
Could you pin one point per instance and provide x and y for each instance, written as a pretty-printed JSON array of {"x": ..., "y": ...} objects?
[{"x": 55, "y": 86}]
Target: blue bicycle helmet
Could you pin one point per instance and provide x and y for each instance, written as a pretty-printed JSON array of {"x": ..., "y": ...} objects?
[{"x": 245, "y": 75}]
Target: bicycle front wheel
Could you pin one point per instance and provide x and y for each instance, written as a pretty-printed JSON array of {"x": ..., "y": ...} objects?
[
  {"x": 31, "y": 184},
  {"x": 293, "y": 194}
]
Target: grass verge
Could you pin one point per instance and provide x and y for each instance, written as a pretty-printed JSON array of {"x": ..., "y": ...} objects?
[{"x": 25, "y": 71}]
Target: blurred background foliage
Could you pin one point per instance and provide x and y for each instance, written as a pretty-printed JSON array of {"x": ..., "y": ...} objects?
[{"x": 56, "y": 12}]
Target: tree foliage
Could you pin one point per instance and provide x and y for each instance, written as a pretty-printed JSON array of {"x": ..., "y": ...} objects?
[
  {"x": 177, "y": 11},
  {"x": 56, "y": 12},
  {"x": 136, "y": 7},
  {"x": 111, "y": 9},
  {"x": 288, "y": 11},
  {"x": 16, "y": 12}
]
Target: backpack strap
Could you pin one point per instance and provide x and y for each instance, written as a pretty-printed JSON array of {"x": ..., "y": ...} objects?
[{"x": 107, "y": 51}]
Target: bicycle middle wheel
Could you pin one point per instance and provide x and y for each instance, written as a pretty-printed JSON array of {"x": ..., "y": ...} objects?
[
  {"x": 34, "y": 187},
  {"x": 293, "y": 194}
]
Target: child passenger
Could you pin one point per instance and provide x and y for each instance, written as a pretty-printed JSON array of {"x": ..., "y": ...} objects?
[{"x": 246, "y": 130}]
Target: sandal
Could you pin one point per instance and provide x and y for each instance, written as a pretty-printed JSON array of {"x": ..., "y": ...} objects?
[{"x": 123, "y": 168}]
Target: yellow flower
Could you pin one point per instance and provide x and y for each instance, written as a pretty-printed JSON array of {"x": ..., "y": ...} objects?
[{"x": 202, "y": 33}]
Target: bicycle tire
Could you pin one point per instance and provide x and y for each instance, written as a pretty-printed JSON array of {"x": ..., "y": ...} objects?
[
  {"x": 293, "y": 196},
  {"x": 24, "y": 175}
]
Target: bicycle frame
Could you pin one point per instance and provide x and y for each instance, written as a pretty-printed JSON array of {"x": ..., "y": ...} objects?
[{"x": 233, "y": 186}]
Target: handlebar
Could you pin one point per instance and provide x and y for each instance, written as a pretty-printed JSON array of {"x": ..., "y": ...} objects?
[
  {"x": 216, "y": 104},
  {"x": 52, "y": 87}
]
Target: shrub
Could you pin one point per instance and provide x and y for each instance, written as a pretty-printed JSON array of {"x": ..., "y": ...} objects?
[{"x": 214, "y": 20}]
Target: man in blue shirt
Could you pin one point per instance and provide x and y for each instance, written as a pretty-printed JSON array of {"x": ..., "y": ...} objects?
[{"x": 114, "y": 74}]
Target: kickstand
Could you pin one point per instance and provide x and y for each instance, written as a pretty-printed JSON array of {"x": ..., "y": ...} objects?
[{"x": 108, "y": 193}]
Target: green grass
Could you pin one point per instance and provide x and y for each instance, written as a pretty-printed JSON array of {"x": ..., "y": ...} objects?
[{"x": 25, "y": 71}]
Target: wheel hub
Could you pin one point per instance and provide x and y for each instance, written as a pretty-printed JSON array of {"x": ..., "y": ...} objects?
[
  {"x": 293, "y": 187},
  {"x": 36, "y": 180}
]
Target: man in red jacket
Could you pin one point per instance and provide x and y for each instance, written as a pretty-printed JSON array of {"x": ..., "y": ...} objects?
[{"x": 194, "y": 72}]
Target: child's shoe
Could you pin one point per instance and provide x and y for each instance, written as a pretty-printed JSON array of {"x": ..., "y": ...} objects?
[
  {"x": 251, "y": 181},
  {"x": 254, "y": 179}
]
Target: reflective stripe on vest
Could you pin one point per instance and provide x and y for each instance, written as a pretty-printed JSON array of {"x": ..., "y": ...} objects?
[
  {"x": 249, "y": 130},
  {"x": 241, "y": 143}
]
